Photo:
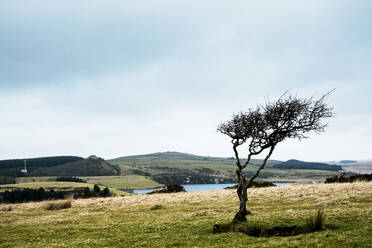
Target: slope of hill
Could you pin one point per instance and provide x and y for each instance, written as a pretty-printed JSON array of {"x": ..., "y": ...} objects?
[
  {"x": 183, "y": 168},
  {"x": 160, "y": 156},
  {"x": 359, "y": 167},
  {"x": 179, "y": 156},
  {"x": 59, "y": 166},
  {"x": 91, "y": 166},
  {"x": 13, "y": 167},
  {"x": 301, "y": 165}
]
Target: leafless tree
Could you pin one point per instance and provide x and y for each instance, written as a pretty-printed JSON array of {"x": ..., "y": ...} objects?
[{"x": 263, "y": 127}]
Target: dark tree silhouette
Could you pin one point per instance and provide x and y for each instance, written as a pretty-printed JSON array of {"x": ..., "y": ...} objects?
[{"x": 263, "y": 127}]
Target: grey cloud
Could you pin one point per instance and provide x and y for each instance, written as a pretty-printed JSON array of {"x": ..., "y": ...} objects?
[{"x": 78, "y": 62}]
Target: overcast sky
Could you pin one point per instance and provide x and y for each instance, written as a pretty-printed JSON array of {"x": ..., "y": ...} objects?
[{"x": 115, "y": 78}]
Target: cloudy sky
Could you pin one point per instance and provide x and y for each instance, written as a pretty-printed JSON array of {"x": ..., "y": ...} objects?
[{"x": 116, "y": 78}]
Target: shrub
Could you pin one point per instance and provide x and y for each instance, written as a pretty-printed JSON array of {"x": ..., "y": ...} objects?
[
  {"x": 316, "y": 222},
  {"x": 105, "y": 193},
  {"x": 57, "y": 205}
]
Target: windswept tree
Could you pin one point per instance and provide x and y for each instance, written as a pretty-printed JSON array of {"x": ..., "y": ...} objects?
[{"x": 263, "y": 127}]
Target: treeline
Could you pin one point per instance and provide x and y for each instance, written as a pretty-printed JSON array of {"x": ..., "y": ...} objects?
[
  {"x": 13, "y": 167},
  {"x": 96, "y": 192},
  {"x": 344, "y": 179},
  {"x": 27, "y": 195},
  {"x": 70, "y": 179}
]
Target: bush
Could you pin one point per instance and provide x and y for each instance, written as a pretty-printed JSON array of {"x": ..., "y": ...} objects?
[
  {"x": 57, "y": 205},
  {"x": 96, "y": 189},
  {"x": 105, "y": 193},
  {"x": 316, "y": 222}
]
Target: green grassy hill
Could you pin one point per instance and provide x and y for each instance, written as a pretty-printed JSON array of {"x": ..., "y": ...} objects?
[
  {"x": 181, "y": 168},
  {"x": 152, "y": 170}
]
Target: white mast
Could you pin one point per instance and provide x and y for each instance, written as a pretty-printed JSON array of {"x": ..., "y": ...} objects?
[{"x": 25, "y": 169}]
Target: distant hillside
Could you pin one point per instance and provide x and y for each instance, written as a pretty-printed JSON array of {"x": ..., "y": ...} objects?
[
  {"x": 59, "y": 166},
  {"x": 348, "y": 162},
  {"x": 92, "y": 166},
  {"x": 360, "y": 167},
  {"x": 184, "y": 168},
  {"x": 297, "y": 164},
  {"x": 170, "y": 156},
  {"x": 13, "y": 167},
  {"x": 179, "y": 156}
]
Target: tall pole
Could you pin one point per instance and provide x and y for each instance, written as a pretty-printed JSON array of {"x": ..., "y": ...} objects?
[{"x": 25, "y": 169}]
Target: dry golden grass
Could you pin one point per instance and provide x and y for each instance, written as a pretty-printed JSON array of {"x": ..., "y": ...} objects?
[
  {"x": 319, "y": 194},
  {"x": 57, "y": 205},
  {"x": 6, "y": 208},
  {"x": 186, "y": 219}
]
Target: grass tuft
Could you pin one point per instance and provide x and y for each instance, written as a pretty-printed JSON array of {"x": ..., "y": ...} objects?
[
  {"x": 156, "y": 207},
  {"x": 316, "y": 222},
  {"x": 57, "y": 205}
]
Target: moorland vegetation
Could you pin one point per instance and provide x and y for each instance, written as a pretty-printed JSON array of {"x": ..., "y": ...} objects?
[{"x": 185, "y": 219}]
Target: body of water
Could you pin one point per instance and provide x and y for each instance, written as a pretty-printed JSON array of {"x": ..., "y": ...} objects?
[{"x": 200, "y": 187}]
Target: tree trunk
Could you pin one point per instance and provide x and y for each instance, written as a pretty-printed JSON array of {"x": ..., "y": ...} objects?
[{"x": 243, "y": 198}]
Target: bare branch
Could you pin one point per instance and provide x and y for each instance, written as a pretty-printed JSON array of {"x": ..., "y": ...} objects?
[
  {"x": 261, "y": 167},
  {"x": 267, "y": 125}
]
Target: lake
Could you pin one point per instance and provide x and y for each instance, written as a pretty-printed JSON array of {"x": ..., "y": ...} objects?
[{"x": 200, "y": 187}]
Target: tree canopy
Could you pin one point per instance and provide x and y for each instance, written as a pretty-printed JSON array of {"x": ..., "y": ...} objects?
[{"x": 266, "y": 125}]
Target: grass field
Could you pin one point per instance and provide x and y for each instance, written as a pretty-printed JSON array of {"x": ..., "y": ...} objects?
[
  {"x": 118, "y": 182},
  {"x": 35, "y": 179},
  {"x": 58, "y": 186},
  {"x": 124, "y": 182},
  {"x": 186, "y": 219}
]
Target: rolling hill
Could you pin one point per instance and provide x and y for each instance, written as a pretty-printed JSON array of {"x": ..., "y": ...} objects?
[
  {"x": 13, "y": 167},
  {"x": 182, "y": 168},
  {"x": 59, "y": 166},
  {"x": 179, "y": 156},
  {"x": 162, "y": 167}
]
